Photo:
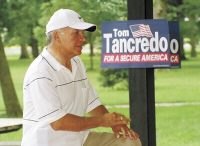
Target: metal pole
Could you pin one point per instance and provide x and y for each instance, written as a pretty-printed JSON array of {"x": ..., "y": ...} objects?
[{"x": 141, "y": 84}]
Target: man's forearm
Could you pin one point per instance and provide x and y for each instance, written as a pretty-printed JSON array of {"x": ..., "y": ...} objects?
[
  {"x": 76, "y": 123},
  {"x": 98, "y": 111}
]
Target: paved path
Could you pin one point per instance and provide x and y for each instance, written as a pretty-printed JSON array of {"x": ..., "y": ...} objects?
[{"x": 159, "y": 104}]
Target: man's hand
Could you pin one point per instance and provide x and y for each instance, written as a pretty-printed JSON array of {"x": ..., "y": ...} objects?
[
  {"x": 124, "y": 131},
  {"x": 113, "y": 119}
]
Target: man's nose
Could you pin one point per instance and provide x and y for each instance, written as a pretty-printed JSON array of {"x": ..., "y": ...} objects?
[{"x": 82, "y": 38}]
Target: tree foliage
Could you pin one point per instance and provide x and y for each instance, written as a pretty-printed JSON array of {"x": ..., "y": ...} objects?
[
  {"x": 111, "y": 77},
  {"x": 187, "y": 13},
  {"x": 94, "y": 11}
]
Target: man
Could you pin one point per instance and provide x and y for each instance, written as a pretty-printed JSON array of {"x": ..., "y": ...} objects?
[{"x": 57, "y": 93}]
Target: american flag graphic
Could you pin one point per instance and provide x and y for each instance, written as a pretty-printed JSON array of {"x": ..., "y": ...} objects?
[{"x": 141, "y": 30}]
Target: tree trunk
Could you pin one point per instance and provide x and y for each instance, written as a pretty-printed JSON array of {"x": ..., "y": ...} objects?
[
  {"x": 182, "y": 53},
  {"x": 193, "y": 49},
  {"x": 11, "y": 102},
  {"x": 91, "y": 56},
  {"x": 24, "y": 52},
  {"x": 34, "y": 46}
]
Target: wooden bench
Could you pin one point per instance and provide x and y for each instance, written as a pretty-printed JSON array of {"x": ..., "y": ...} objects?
[{"x": 10, "y": 124}]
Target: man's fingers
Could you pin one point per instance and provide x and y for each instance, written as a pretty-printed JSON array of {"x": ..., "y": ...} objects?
[
  {"x": 134, "y": 134},
  {"x": 121, "y": 120},
  {"x": 117, "y": 135},
  {"x": 112, "y": 119},
  {"x": 122, "y": 117},
  {"x": 130, "y": 135},
  {"x": 123, "y": 132}
]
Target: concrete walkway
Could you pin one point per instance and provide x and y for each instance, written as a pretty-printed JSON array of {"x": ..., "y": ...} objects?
[{"x": 159, "y": 104}]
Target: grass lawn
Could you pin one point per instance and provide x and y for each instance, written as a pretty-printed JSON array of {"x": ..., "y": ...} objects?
[
  {"x": 179, "y": 85},
  {"x": 172, "y": 85},
  {"x": 178, "y": 126}
]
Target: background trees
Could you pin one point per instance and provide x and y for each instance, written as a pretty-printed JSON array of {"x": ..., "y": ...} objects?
[
  {"x": 23, "y": 23},
  {"x": 95, "y": 11},
  {"x": 187, "y": 13}
]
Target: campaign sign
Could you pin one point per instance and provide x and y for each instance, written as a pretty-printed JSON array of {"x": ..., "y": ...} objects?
[
  {"x": 174, "y": 44},
  {"x": 140, "y": 44}
]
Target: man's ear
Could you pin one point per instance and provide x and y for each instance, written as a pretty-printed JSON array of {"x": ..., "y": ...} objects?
[{"x": 56, "y": 36}]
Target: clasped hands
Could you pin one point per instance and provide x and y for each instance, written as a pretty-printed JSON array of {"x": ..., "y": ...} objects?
[{"x": 119, "y": 124}]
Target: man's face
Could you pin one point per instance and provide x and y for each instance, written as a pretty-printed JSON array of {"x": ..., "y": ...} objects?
[{"x": 71, "y": 41}]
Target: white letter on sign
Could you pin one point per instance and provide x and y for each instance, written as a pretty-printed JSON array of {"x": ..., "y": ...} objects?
[
  {"x": 107, "y": 36},
  {"x": 174, "y": 46}
]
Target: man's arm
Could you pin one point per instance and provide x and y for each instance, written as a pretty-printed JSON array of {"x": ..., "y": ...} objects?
[
  {"x": 76, "y": 123},
  {"x": 98, "y": 111},
  {"x": 120, "y": 130}
]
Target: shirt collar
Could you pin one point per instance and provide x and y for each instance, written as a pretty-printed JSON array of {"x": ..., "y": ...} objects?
[
  {"x": 51, "y": 60},
  {"x": 54, "y": 63}
]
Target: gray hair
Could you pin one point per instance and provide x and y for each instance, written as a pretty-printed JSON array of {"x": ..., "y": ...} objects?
[{"x": 49, "y": 37}]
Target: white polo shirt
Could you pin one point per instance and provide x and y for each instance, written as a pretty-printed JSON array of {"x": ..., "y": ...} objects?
[{"x": 50, "y": 92}]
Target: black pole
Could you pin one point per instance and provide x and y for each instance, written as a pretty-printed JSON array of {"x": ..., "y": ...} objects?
[{"x": 141, "y": 84}]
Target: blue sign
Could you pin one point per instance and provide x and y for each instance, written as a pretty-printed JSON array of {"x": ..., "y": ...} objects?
[{"x": 140, "y": 44}]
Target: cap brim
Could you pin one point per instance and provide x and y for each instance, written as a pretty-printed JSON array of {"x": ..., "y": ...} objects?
[{"x": 84, "y": 26}]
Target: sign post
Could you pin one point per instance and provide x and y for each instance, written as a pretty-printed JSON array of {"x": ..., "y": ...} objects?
[{"x": 141, "y": 84}]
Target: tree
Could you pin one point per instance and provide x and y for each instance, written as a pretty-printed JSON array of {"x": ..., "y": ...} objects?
[
  {"x": 20, "y": 30},
  {"x": 25, "y": 16},
  {"x": 11, "y": 102},
  {"x": 192, "y": 13},
  {"x": 180, "y": 10},
  {"x": 170, "y": 10}
]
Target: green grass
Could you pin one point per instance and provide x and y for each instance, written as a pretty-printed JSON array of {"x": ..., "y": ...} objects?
[
  {"x": 178, "y": 126},
  {"x": 175, "y": 125},
  {"x": 11, "y": 136},
  {"x": 179, "y": 85}
]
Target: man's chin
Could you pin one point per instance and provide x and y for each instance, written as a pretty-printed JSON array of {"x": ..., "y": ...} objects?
[{"x": 78, "y": 53}]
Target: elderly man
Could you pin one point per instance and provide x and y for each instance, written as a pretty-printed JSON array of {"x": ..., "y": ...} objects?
[{"x": 57, "y": 93}]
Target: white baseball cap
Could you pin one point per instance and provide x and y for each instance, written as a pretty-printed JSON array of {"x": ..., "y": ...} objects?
[{"x": 68, "y": 18}]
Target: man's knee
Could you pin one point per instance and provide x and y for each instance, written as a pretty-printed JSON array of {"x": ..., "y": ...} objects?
[{"x": 129, "y": 142}]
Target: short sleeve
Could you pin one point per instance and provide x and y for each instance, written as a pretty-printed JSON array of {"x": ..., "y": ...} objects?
[{"x": 93, "y": 100}]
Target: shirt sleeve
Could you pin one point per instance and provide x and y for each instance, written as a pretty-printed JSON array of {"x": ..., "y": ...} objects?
[
  {"x": 42, "y": 94},
  {"x": 93, "y": 100}
]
